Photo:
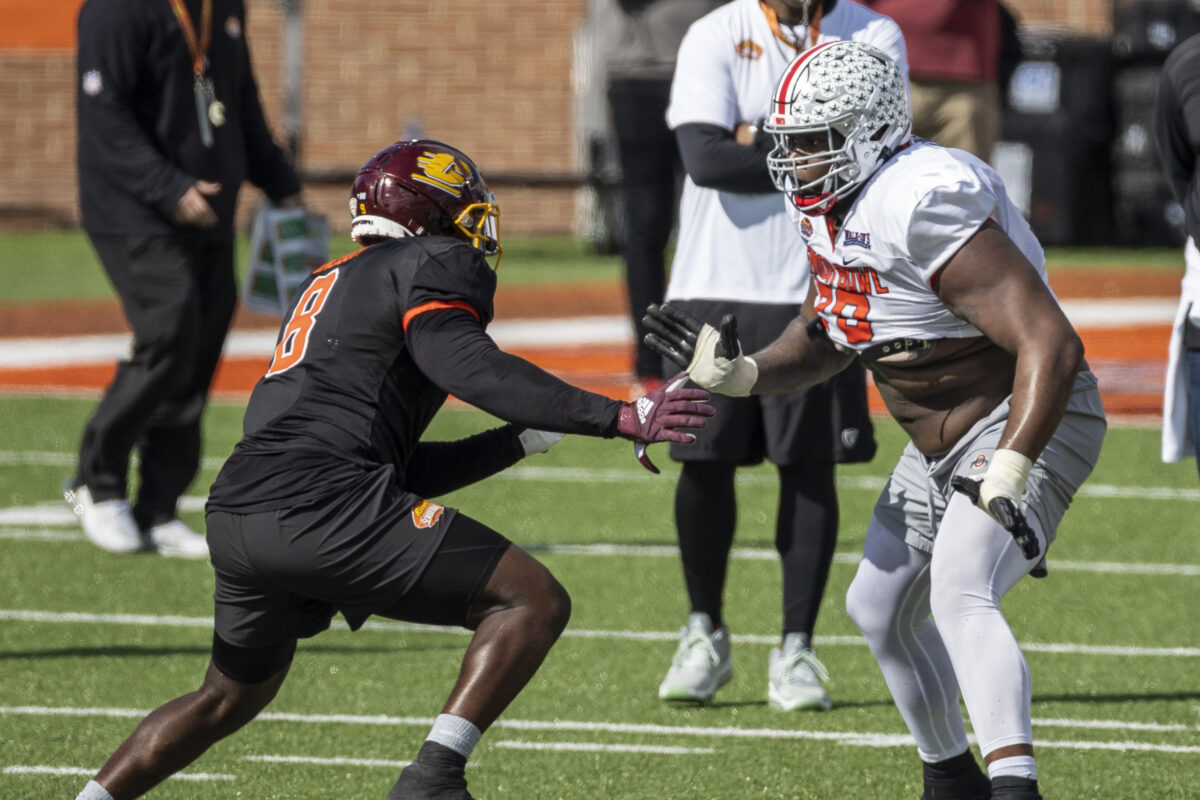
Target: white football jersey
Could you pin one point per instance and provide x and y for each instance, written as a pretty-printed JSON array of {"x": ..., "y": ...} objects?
[
  {"x": 734, "y": 246},
  {"x": 874, "y": 280}
]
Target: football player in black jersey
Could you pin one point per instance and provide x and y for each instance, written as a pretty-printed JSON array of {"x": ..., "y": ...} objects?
[{"x": 322, "y": 507}]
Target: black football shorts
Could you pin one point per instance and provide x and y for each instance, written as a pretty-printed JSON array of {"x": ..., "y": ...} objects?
[{"x": 370, "y": 549}]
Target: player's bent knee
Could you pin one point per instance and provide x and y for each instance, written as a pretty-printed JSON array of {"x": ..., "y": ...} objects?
[
  {"x": 557, "y": 607},
  {"x": 522, "y": 582}
]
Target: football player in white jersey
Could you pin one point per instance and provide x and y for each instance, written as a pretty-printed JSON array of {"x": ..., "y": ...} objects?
[
  {"x": 924, "y": 269},
  {"x": 737, "y": 252}
]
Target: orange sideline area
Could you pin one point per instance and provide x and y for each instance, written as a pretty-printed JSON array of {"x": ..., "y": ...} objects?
[{"x": 1130, "y": 360}]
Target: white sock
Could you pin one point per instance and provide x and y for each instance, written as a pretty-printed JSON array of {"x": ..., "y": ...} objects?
[
  {"x": 94, "y": 791},
  {"x": 1013, "y": 767},
  {"x": 459, "y": 734}
]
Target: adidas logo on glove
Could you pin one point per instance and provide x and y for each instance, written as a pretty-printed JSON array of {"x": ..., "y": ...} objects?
[{"x": 644, "y": 406}]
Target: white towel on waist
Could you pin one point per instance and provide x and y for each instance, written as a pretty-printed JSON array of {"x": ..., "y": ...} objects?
[{"x": 1177, "y": 429}]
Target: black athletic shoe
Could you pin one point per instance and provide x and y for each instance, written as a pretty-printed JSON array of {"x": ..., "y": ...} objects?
[
  {"x": 435, "y": 774},
  {"x": 1009, "y": 788},
  {"x": 958, "y": 778}
]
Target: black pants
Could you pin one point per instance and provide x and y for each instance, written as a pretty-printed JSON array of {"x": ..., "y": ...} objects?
[
  {"x": 650, "y": 170},
  {"x": 179, "y": 296}
]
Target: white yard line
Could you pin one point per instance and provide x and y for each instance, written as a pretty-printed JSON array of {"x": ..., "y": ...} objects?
[
  {"x": 18, "y": 769},
  {"x": 170, "y": 621},
  {"x": 851, "y": 738},
  {"x": 851, "y": 558},
  {"x": 586, "y": 475},
  {"x": 330, "y": 762},
  {"x": 595, "y": 747}
]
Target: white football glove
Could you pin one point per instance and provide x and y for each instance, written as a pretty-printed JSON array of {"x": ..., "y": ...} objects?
[
  {"x": 734, "y": 377},
  {"x": 535, "y": 441},
  {"x": 713, "y": 357}
]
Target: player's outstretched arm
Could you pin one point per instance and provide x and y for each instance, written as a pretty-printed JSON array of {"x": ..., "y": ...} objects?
[
  {"x": 714, "y": 359},
  {"x": 454, "y": 351}
]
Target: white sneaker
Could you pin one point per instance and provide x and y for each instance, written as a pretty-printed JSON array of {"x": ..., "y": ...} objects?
[
  {"x": 108, "y": 524},
  {"x": 702, "y": 664},
  {"x": 796, "y": 677},
  {"x": 176, "y": 539}
]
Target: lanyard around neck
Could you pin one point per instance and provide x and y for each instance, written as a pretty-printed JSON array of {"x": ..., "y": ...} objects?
[
  {"x": 198, "y": 49},
  {"x": 812, "y": 30}
]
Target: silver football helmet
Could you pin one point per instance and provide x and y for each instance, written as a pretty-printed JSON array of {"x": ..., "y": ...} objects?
[{"x": 855, "y": 99}]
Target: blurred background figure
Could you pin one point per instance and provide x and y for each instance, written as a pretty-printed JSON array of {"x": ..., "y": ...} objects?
[
  {"x": 169, "y": 126},
  {"x": 640, "y": 39},
  {"x": 955, "y": 52},
  {"x": 1177, "y": 135},
  {"x": 739, "y": 253}
]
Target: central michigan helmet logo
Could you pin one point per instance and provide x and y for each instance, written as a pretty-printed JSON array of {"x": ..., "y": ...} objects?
[{"x": 442, "y": 171}]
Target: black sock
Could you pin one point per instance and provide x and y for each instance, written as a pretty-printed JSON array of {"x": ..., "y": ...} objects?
[
  {"x": 441, "y": 758},
  {"x": 957, "y": 778},
  {"x": 1009, "y": 787}
]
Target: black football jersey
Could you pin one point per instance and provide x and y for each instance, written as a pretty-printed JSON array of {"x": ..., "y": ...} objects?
[{"x": 344, "y": 393}]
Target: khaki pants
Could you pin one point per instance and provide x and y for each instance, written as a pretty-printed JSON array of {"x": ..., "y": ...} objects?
[{"x": 957, "y": 114}]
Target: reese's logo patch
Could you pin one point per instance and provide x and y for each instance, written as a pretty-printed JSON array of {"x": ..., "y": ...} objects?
[
  {"x": 749, "y": 49},
  {"x": 426, "y": 514}
]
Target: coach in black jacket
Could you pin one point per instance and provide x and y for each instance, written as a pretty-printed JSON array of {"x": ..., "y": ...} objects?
[{"x": 169, "y": 126}]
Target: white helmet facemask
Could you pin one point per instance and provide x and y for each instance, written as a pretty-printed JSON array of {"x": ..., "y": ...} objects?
[{"x": 853, "y": 97}]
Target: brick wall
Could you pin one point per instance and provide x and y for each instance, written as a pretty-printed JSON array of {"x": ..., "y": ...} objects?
[{"x": 497, "y": 79}]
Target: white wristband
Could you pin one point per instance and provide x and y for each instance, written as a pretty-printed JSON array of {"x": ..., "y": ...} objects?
[{"x": 1005, "y": 477}]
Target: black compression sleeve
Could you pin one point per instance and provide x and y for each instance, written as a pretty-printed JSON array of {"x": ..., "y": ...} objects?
[
  {"x": 454, "y": 351},
  {"x": 714, "y": 160},
  {"x": 440, "y": 467}
]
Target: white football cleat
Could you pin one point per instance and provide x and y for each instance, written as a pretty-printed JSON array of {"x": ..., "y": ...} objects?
[
  {"x": 703, "y": 662},
  {"x": 796, "y": 677},
  {"x": 176, "y": 539},
  {"x": 108, "y": 524}
]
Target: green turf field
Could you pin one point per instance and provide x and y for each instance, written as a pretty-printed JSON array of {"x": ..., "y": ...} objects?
[
  {"x": 60, "y": 265},
  {"x": 89, "y": 641}
]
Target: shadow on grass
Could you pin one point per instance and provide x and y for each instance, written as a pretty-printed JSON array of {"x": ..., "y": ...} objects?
[{"x": 1124, "y": 697}]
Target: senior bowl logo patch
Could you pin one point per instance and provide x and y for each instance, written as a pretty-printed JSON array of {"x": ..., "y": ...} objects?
[
  {"x": 806, "y": 228},
  {"x": 749, "y": 49},
  {"x": 980, "y": 461},
  {"x": 426, "y": 514}
]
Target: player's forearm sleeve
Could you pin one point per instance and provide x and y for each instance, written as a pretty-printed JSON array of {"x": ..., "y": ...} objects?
[
  {"x": 714, "y": 160},
  {"x": 437, "y": 468},
  {"x": 454, "y": 351}
]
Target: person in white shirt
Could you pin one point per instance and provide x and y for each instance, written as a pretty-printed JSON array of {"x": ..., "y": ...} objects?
[
  {"x": 738, "y": 253},
  {"x": 924, "y": 269}
]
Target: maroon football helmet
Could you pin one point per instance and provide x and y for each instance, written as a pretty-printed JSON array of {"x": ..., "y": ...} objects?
[{"x": 423, "y": 187}]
